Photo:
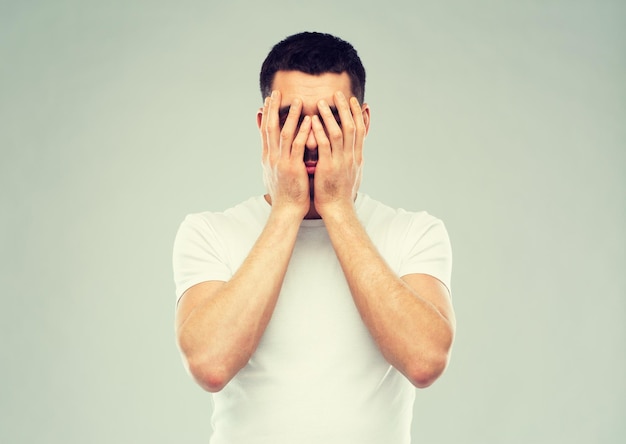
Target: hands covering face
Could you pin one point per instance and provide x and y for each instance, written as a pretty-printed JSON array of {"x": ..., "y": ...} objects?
[{"x": 333, "y": 138}]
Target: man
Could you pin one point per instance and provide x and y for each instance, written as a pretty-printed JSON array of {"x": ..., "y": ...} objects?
[{"x": 313, "y": 311}]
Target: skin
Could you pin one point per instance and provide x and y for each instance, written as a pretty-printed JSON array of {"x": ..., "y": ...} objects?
[
  {"x": 338, "y": 171},
  {"x": 219, "y": 324}
]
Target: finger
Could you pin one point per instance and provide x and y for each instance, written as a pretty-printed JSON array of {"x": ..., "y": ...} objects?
[
  {"x": 333, "y": 130},
  {"x": 347, "y": 120},
  {"x": 298, "y": 146},
  {"x": 359, "y": 134},
  {"x": 323, "y": 144},
  {"x": 273, "y": 125},
  {"x": 290, "y": 127},
  {"x": 264, "y": 116}
]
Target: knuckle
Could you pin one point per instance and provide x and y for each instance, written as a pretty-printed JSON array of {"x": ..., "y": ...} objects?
[
  {"x": 286, "y": 135},
  {"x": 323, "y": 142},
  {"x": 270, "y": 160},
  {"x": 297, "y": 143},
  {"x": 333, "y": 131},
  {"x": 272, "y": 121},
  {"x": 350, "y": 127},
  {"x": 335, "y": 136}
]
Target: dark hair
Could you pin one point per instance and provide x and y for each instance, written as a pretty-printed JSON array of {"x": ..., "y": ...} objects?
[{"x": 314, "y": 53}]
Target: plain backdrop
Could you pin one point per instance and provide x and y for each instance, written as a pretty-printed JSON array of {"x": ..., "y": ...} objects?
[{"x": 506, "y": 119}]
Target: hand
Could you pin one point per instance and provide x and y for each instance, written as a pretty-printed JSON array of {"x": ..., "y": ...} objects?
[
  {"x": 284, "y": 172},
  {"x": 340, "y": 151}
]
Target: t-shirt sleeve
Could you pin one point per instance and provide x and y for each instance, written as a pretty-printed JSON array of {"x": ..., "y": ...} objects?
[
  {"x": 427, "y": 249},
  {"x": 199, "y": 255}
]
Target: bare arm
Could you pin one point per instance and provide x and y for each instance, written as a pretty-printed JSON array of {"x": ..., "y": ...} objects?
[
  {"x": 411, "y": 318},
  {"x": 219, "y": 324}
]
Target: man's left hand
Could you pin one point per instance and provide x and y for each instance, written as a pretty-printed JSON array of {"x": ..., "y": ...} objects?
[{"x": 340, "y": 151}]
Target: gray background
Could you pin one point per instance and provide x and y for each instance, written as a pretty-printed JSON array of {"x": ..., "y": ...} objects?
[{"x": 504, "y": 118}]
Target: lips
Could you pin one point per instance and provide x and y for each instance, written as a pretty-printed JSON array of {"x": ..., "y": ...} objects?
[
  {"x": 310, "y": 166},
  {"x": 310, "y": 161}
]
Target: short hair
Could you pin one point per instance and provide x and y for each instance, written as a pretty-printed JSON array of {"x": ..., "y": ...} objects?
[{"x": 314, "y": 53}]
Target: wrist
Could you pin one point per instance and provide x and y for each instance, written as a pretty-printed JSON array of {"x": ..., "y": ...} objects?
[
  {"x": 287, "y": 214},
  {"x": 286, "y": 209},
  {"x": 338, "y": 211}
]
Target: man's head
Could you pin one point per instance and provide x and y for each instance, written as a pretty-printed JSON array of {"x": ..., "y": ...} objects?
[
  {"x": 314, "y": 53},
  {"x": 313, "y": 85}
]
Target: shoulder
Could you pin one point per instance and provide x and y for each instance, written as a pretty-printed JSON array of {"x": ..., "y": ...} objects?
[
  {"x": 377, "y": 215},
  {"x": 212, "y": 245},
  {"x": 255, "y": 209},
  {"x": 235, "y": 224},
  {"x": 412, "y": 242}
]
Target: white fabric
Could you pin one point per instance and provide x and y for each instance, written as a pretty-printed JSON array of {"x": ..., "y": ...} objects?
[{"x": 317, "y": 375}]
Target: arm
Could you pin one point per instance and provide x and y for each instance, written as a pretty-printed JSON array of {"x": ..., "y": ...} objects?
[
  {"x": 410, "y": 318},
  {"x": 220, "y": 324}
]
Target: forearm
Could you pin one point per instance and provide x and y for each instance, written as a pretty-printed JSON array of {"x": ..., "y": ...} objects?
[
  {"x": 222, "y": 331},
  {"x": 410, "y": 331}
]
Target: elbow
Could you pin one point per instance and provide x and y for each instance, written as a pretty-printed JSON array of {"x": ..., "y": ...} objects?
[
  {"x": 425, "y": 375},
  {"x": 424, "y": 378},
  {"x": 208, "y": 370},
  {"x": 424, "y": 372},
  {"x": 211, "y": 378},
  {"x": 426, "y": 367}
]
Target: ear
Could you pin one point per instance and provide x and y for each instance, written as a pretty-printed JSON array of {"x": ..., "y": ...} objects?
[
  {"x": 365, "y": 108},
  {"x": 259, "y": 117}
]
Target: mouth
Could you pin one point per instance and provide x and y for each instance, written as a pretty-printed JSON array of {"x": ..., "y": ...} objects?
[
  {"x": 310, "y": 167},
  {"x": 310, "y": 161}
]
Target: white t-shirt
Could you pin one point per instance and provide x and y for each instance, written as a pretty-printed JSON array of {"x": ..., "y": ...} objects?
[{"x": 317, "y": 376}]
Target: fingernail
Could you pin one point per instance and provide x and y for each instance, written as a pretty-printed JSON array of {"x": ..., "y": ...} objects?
[{"x": 274, "y": 93}]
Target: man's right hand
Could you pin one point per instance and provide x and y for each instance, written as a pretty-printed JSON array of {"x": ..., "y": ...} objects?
[{"x": 284, "y": 171}]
